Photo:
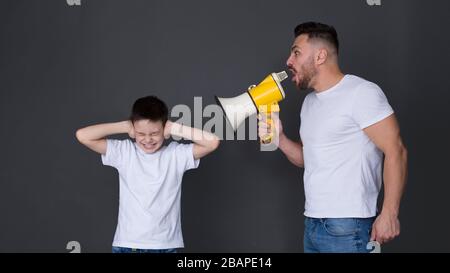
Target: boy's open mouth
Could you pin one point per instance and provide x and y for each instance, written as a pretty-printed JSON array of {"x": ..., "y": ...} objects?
[{"x": 149, "y": 146}]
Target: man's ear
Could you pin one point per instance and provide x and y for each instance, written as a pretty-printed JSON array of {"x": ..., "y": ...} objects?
[{"x": 321, "y": 56}]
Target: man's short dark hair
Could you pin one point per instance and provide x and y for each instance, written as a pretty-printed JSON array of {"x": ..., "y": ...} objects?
[
  {"x": 150, "y": 108},
  {"x": 320, "y": 31}
]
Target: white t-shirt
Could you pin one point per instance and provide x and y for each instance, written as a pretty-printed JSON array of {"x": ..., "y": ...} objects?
[
  {"x": 343, "y": 167},
  {"x": 150, "y": 191}
]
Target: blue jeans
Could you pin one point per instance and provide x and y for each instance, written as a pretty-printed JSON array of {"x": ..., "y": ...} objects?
[
  {"x": 337, "y": 235},
  {"x": 116, "y": 249}
]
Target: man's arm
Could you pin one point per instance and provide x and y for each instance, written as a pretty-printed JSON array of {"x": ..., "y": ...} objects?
[
  {"x": 94, "y": 137},
  {"x": 204, "y": 142},
  {"x": 386, "y": 136},
  {"x": 292, "y": 149}
]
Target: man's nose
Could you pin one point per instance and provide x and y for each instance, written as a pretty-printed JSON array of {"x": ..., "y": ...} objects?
[{"x": 289, "y": 61}]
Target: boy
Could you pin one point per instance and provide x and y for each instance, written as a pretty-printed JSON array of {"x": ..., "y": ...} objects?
[{"x": 150, "y": 174}]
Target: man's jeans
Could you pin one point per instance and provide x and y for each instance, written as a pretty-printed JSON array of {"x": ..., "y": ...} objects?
[
  {"x": 116, "y": 249},
  {"x": 337, "y": 235}
]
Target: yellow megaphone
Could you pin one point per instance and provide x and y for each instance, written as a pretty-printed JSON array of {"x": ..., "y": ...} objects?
[{"x": 262, "y": 98}]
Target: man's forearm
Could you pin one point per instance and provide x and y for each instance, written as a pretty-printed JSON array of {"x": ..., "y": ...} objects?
[
  {"x": 395, "y": 174},
  {"x": 99, "y": 131},
  {"x": 293, "y": 150}
]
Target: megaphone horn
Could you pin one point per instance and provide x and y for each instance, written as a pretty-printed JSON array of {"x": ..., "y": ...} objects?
[{"x": 266, "y": 93}]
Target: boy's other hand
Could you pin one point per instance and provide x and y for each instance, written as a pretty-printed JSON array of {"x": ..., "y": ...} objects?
[
  {"x": 130, "y": 129},
  {"x": 168, "y": 129}
]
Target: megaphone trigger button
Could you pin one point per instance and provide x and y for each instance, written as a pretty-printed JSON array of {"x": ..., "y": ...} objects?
[{"x": 251, "y": 87}]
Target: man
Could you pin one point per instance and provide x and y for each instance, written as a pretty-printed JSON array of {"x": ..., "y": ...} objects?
[{"x": 346, "y": 126}]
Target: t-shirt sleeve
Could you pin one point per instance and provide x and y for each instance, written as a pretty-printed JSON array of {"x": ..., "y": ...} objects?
[
  {"x": 370, "y": 105},
  {"x": 185, "y": 156},
  {"x": 116, "y": 152}
]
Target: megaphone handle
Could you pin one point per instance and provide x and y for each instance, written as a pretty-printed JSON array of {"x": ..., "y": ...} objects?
[
  {"x": 266, "y": 113},
  {"x": 267, "y": 138}
]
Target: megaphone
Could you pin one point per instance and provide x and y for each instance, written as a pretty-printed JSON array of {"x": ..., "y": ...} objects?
[{"x": 262, "y": 98}]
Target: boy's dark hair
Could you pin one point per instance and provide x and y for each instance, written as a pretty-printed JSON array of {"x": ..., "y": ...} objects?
[
  {"x": 151, "y": 108},
  {"x": 320, "y": 31}
]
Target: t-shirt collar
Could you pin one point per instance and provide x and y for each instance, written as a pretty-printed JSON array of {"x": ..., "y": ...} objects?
[
  {"x": 331, "y": 90},
  {"x": 142, "y": 152}
]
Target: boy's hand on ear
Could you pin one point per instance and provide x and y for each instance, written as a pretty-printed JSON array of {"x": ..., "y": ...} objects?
[
  {"x": 168, "y": 129},
  {"x": 131, "y": 129}
]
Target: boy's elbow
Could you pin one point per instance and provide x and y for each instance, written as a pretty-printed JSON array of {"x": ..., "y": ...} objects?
[
  {"x": 80, "y": 136},
  {"x": 215, "y": 144}
]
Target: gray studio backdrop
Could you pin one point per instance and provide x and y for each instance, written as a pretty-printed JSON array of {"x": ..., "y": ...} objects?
[{"x": 63, "y": 67}]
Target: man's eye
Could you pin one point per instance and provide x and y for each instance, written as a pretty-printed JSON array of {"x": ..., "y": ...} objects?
[{"x": 296, "y": 53}]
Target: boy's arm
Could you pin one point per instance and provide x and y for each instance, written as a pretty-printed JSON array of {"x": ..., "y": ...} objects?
[
  {"x": 94, "y": 137},
  {"x": 204, "y": 142}
]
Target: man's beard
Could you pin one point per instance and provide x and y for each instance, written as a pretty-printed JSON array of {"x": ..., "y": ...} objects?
[{"x": 309, "y": 72}]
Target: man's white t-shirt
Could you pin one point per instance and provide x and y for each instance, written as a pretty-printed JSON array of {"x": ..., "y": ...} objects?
[
  {"x": 343, "y": 167},
  {"x": 150, "y": 191}
]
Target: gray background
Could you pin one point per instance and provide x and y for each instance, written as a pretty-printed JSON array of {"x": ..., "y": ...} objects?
[{"x": 65, "y": 67}]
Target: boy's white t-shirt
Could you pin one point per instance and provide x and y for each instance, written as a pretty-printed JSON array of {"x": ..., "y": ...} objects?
[
  {"x": 343, "y": 167},
  {"x": 150, "y": 191}
]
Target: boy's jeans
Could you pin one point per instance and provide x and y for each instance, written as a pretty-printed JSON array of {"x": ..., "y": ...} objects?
[
  {"x": 116, "y": 249},
  {"x": 337, "y": 235}
]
